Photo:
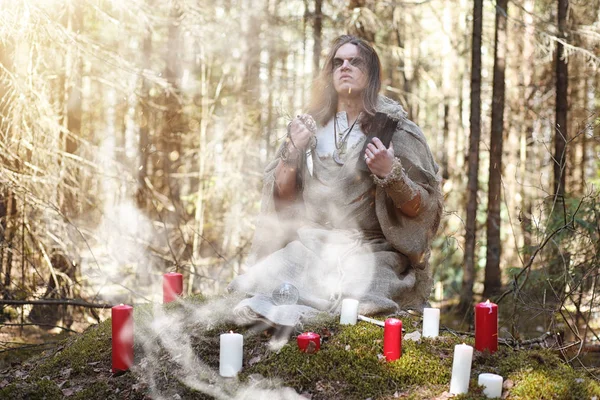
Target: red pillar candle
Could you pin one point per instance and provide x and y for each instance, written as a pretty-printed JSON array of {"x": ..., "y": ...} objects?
[
  {"x": 304, "y": 342},
  {"x": 172, "y": 286},
  {"x": 122, "y": 337},
  {"x": 486, "y": 326},
  {"x": 392, "y": 339}
]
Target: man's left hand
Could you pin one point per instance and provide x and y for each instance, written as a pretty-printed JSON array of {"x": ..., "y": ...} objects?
[{"x": 378, "y": 158}]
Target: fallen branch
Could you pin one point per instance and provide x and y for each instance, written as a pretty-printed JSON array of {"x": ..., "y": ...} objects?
[
  {"x": 28, "y": 346},
  {"x": 44, "y": 325},
  {"x": 56, "y": 302},
  {"x": 513, "y": 343}
]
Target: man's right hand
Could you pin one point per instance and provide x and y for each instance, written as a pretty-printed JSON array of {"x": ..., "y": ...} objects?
[{"x": 300, "y": 133}]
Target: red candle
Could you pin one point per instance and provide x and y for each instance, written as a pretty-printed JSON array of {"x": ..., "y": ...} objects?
[
  {"x": 309, "y": 342},
  {"x": 392, "y": 339},
  {"x": 486, "y": 326},
  {"x": 172, "y": 286},
  {"x": 122, "y": 337}
]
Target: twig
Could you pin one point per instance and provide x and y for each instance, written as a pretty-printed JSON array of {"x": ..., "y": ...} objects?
[
  {"x": 515, "y": 284},
  {"x": 45, "y": 325},
  {"x": 371, "y": 320},
  {"x": 28, "y": 346},
  {"x": 57, "y": 302}
]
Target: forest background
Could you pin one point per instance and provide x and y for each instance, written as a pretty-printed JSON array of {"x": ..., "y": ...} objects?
[{"x": 133, "y": 135}]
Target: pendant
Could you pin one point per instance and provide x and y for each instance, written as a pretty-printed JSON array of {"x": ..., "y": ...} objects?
[
  {"x": 309, "y": 162},
  {"x": 336, "y": 158}
]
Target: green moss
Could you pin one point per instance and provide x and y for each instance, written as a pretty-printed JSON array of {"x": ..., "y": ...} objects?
[
  {"x": 42, "y": 389},
  {"x": 77, "y": 353},
  {"x": 98, "y": 390},
  {"x": 349, "y": 365},
  {"x": 541, "y": 375}
]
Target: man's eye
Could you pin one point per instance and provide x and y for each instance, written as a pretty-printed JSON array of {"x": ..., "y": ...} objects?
[
  {"x": 356, "y": 62},
  {"x": 337, "y": 63}
]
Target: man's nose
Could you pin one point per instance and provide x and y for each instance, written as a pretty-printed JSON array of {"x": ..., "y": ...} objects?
[{"x": 346, "y": 64}]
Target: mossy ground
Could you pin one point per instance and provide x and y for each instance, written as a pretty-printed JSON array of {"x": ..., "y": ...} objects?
[{"x": 349, "y": 366}]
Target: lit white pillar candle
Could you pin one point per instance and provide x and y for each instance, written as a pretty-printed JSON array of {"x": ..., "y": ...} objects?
[
  {"x": 492, "y": 385},
  {"x": 231, "y": 354},
  {"x": 349, "y": 312},
  {"x": 461, "y": 369},
  {"x": 431, "y": 322}
]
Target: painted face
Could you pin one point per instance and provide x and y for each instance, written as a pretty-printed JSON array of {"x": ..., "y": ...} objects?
[{"x": 349, "y": 71}]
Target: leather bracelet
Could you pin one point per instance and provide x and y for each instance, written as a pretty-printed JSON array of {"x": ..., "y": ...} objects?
[
  {"x": 288, "y": 157},
  {"x": 397, "y": 185}
]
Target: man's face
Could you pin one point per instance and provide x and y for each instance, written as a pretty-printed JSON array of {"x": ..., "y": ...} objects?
[{"x": 349, "y": 71}]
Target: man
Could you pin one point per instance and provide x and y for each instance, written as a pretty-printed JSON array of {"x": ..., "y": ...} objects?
[{"x": 345, "y": 215}]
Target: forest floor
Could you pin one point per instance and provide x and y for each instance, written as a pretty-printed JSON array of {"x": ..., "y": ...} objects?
[{"x": 177, "y": 357}]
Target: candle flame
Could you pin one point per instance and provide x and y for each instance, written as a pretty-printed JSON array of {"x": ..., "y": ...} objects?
[
  {"x": 349, "y": 90},
  {"x": 230, "y": 331},
  {"x": 487, "y": 302}
]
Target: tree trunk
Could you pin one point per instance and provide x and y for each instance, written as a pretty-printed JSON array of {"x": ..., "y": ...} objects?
[
  {"x": 71, "y": 111},
  {"x": 492, "y": 280},
  {"x": 562, "y": 77},
  {"x": 556, "y": 265},
  {"x": 317, "y": 35},
  {"x": 584, "y": 140},
  {"x": 466, "y": 294},
  {"x": 174, "y": 126},
  {"x": 144, "y": 121},
  {"x": 9, "y": 234},
  {"x": 527, "y": 158},
  {"x": 8, "y": 206}
]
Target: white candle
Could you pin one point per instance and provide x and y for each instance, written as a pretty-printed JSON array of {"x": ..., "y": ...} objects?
[
  {"x": 492, "y": 385},
  {"x": 231, "y": 354},
  {"x": 431, "y": 322},
  {"x": 461, "y": 369},
  {"x": 349, "y": 312}
]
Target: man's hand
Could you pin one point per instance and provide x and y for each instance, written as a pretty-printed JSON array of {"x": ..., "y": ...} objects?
[
  {"x": 301, "y": 130},
  {"x": 378, "y": 158}
]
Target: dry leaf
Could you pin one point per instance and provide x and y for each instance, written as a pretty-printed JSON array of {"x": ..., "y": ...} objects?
[
  {"x": 311, "y": 348},
  {"x": 21, "y": 374},
  {"x": 254, "y": 360},
  {"x": 414, "y": 336},
  {"x": 508, "y": 384},
  {"x": 66, "y": 372},
  {"x": 443, "y": 396}
]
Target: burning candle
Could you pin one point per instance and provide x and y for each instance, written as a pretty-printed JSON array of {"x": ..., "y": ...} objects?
[
  {"x": 122, "y": 337},
  {"x": 349, "y": 313},
  {"x": 231, "y": 354},
  {"x": 309, "y": 342},
  {"x": 392, "y": 339},
  {"x": 486, "y": 326},
  {"x": 172, "y": 286},
  {"x": 492, "y": 385},
  {"x": 431, "y": 322},
  {"x": 461, "y": 369}
]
